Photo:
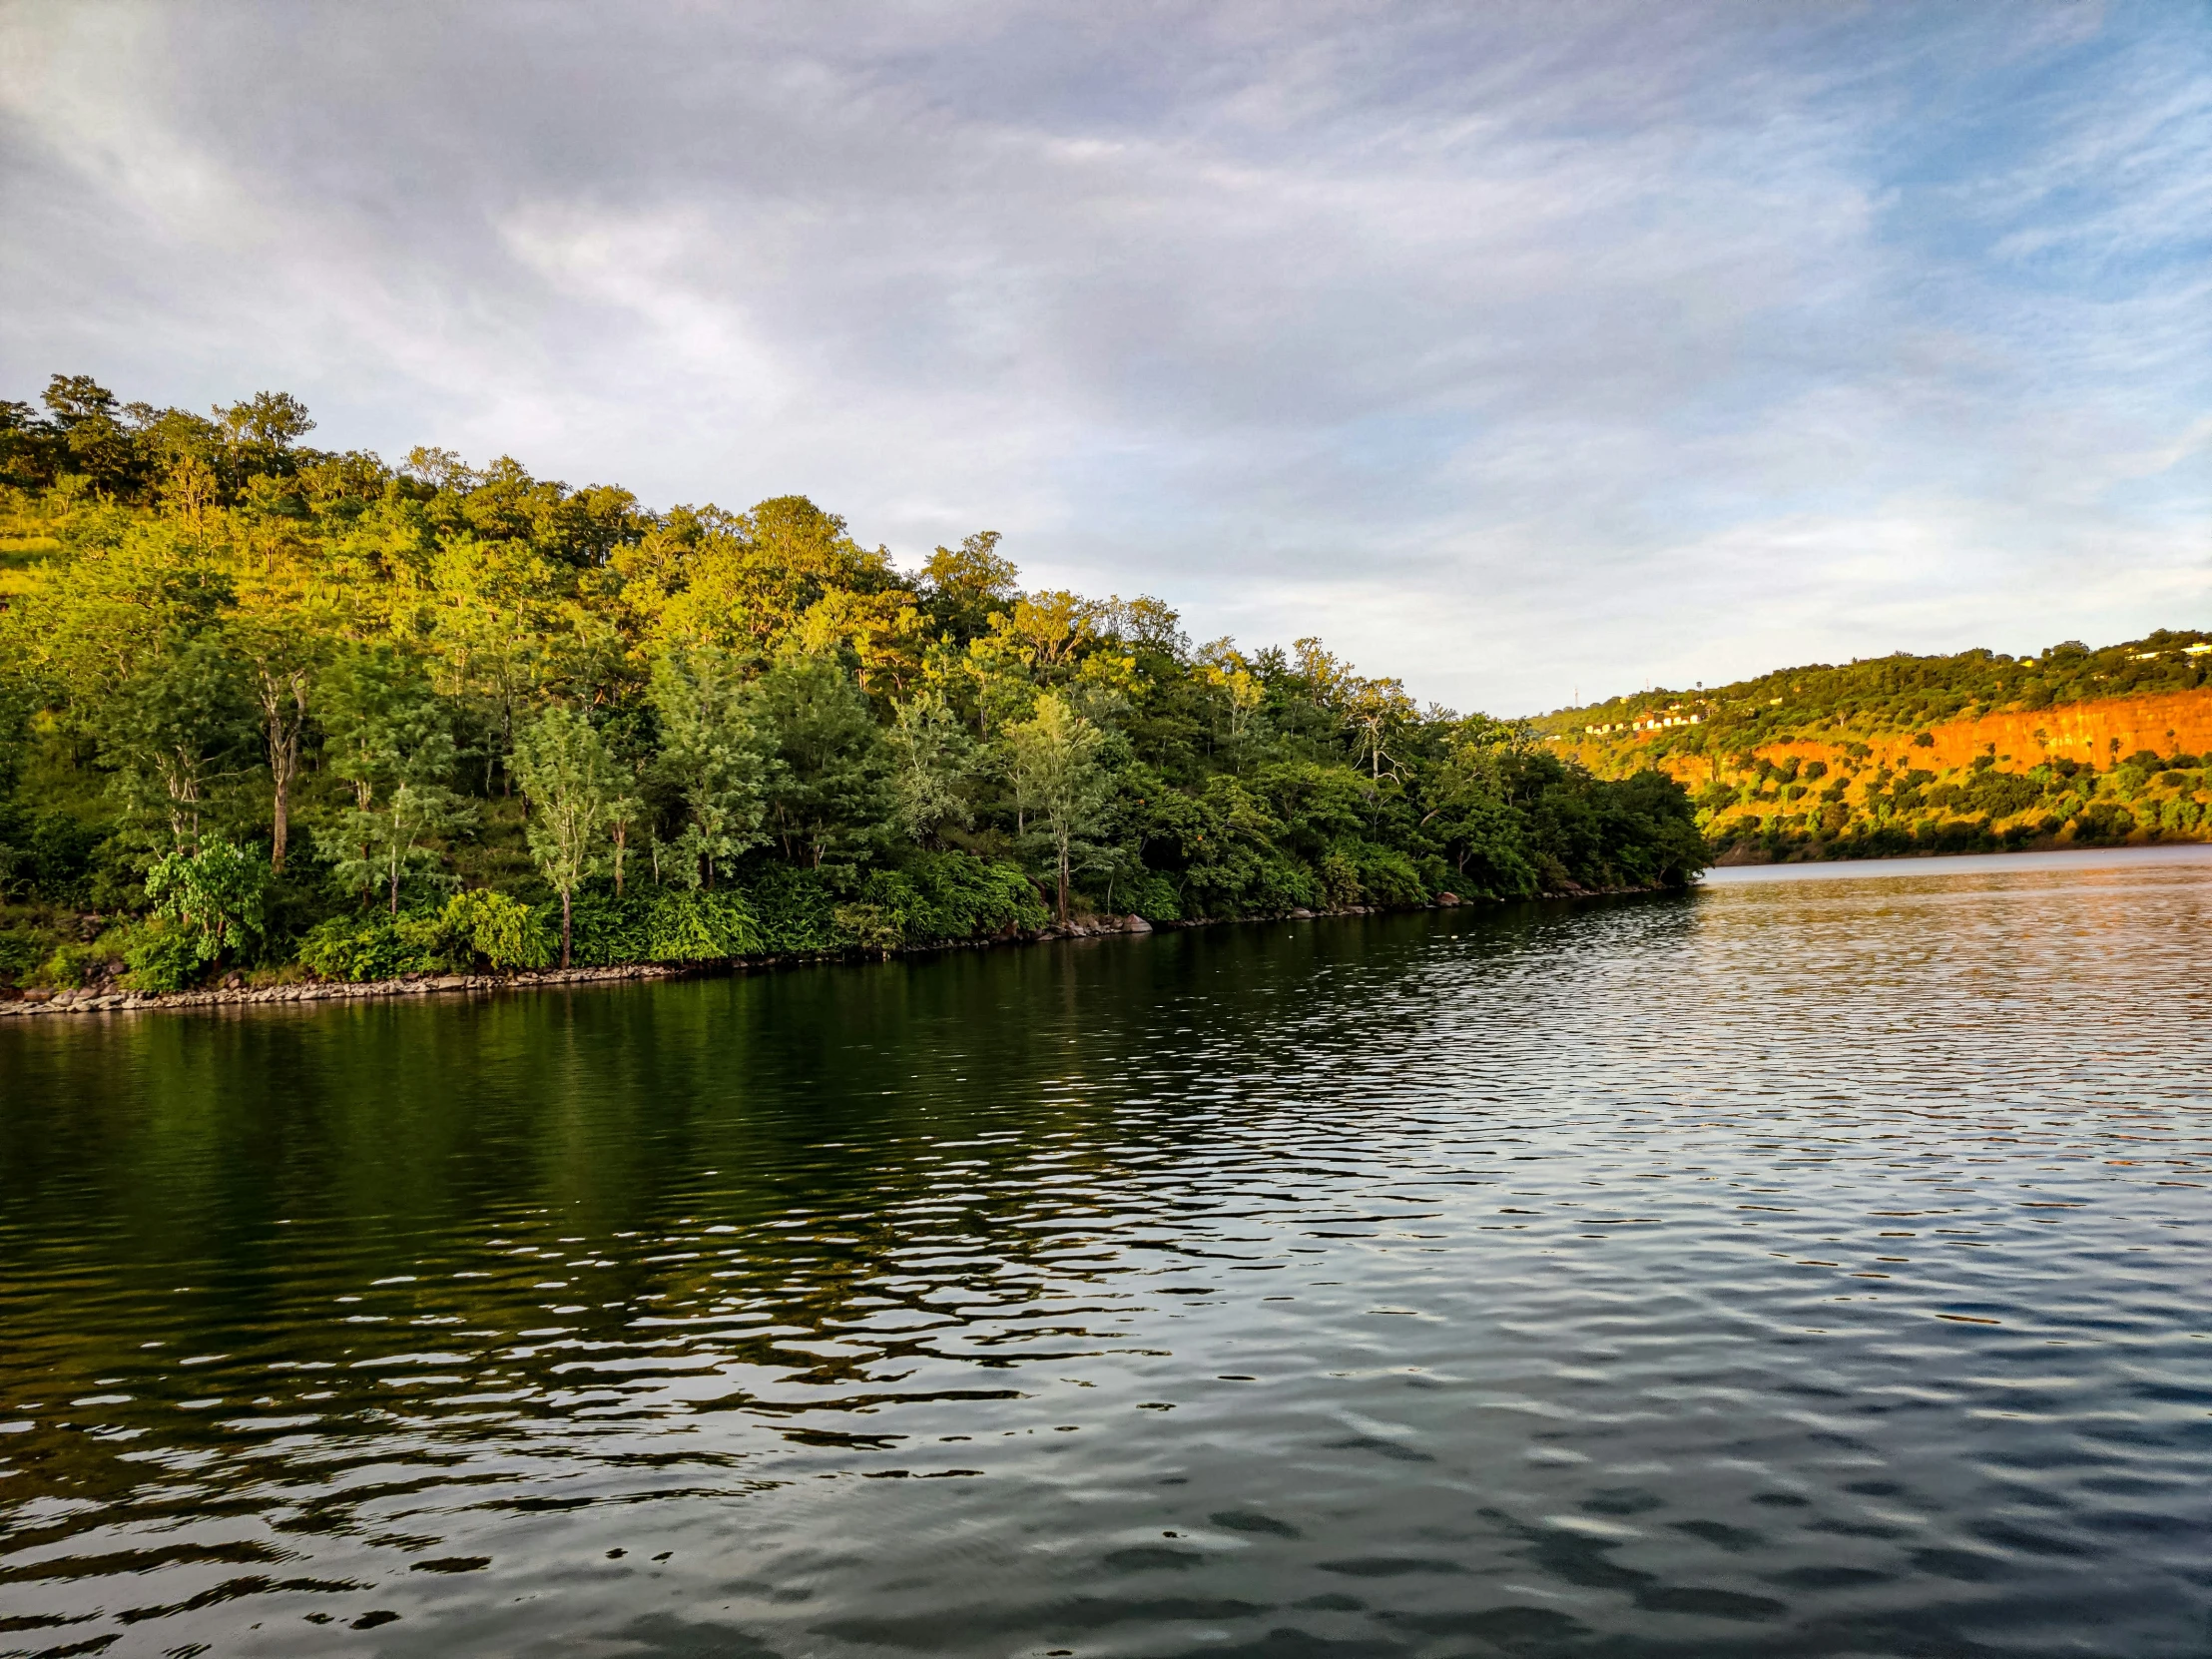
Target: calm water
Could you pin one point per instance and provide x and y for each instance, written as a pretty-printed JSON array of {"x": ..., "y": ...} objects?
[{"x": 1815, "y": 1266}]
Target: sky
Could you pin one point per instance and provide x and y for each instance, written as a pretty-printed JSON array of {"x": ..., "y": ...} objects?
[{"x": 1532, "y": 353}]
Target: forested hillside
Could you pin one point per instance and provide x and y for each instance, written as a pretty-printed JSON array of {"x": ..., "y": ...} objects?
[
  {"x": 1974, "y": 751},
  {"x": 271, "y": 710}
]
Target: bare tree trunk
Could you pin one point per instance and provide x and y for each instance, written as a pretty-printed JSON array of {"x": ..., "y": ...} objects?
[
  {"x": 285, "y": 725},
  {"x": 564, "y": 926},
  {"x": 1064, "y": 880},
  {"x": 279, "y": 818}
]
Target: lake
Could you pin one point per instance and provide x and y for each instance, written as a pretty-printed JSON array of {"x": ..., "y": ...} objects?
[{"x": 1818, "y": 1262}]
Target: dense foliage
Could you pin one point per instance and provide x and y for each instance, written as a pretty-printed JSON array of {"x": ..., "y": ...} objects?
[{"x": 272, "y": 708}]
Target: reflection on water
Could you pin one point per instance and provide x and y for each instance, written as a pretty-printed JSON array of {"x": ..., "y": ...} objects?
[{"x": 1792, "y": 1267}]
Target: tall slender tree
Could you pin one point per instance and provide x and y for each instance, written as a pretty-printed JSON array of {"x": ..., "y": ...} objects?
[
  {"x": 564, "y": 770},
  {"x": 1057, "y": 773}
]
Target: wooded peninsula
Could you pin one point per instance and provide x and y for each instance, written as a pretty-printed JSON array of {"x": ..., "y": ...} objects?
[{"x": 271, "y": 714}]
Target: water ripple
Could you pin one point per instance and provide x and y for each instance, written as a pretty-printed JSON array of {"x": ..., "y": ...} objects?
[{"x": 1798, "y": 1268}]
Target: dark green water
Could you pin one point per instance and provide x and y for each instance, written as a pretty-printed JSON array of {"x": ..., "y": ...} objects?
[{"x": 1799, "y": 1267}]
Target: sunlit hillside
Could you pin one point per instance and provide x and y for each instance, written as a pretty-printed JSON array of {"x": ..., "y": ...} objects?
[{"x": 1901, "y": 753}]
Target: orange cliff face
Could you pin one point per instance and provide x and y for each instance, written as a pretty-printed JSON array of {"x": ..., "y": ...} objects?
[{"x": 2167, "y": 722}]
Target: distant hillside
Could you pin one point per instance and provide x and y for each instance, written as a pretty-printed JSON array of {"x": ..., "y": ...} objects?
[{"x": 1901, "y": 753}]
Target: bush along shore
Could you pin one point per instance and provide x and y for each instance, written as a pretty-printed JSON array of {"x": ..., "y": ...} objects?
[
  {"x": 275, "y": 716},
  {"x": 109, "y": 990}
]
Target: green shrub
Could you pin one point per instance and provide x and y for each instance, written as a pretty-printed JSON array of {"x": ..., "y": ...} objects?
[
  {"x": 70, "y": 964},
  {"x": 504, "y": 932},
  {"x": 700, "y": 926},
  {"x": 2001, "y": 794},
  {"x": 1388, "y": 876},
  {"x": 2104, "y": 824},
  {"x": 164, "y": 958},
  {"x": 213, "y": 894},
  {"x": 21, "y": 952},
  {"x": 870, "y": 927},
  {"x": 380, "y": 947},
  {"x": 606, "y": 932},
  {"x": 796, "y": 909},
  {"x": 783, "y": 910},
  {"x": 888, "y": 913},
  {"x": 1955, "y": 836},
  {"x": 1275, "y": 885},
  {"x": 956, "y": 895},
  {"x": 667, "y": 925},
  {"x": 1148, "y": 894},
  {"x": 57, "y": 859},
  {"x": 1339, "y": 878},
  {"x": 475, "y": 927},
  {"x": 780, "y": 909}
]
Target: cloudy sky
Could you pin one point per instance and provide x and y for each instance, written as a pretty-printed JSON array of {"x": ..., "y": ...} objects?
[{"x": 1522, "y": 351}]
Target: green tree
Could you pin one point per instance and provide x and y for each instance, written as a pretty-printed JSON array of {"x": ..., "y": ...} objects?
[
  {"x": 1376, "y": 710},
  {"x": 494, "y": 615},
  {"x": 391, "y": 741},
  {"x": 97, "y": 435},
  {"x": 175, "y": 734},
  {"x": 1482, "y": 833},
  {"x": 282, "y": 657},
  {"x": 380, "y": 845},
  {"x": 711, "y": 757},
  {"x": 827, "y": 794},
  {"x": 264, "y": 428},
  {"x": 962, "y": 586},
  {"x": 565, "y": 772},
  {"x": 1053, "y": 759},
  {"x": 931, "y": 761},
  {"x": 1238, "y": 698}
]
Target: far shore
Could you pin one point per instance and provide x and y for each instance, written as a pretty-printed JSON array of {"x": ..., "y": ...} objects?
[{"x": 1959, "y": 863}]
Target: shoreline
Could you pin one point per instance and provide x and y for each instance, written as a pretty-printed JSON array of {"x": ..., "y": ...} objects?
[
  {"x": 2027, "y": 858},
  {"x": 36, "y": 1005},
  {"x": 1747, "y": 855}
]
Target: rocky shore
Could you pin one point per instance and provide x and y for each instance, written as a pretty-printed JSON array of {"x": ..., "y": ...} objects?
[
  {"x": 93, "y": 1001},
  {"x": 236, "y": 993}
]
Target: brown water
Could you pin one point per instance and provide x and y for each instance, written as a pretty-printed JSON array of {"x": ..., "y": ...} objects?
[{"x": 1804, "y": 1266}]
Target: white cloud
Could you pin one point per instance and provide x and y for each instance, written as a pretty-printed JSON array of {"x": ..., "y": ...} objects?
[{"x": 1515, "y": 350}]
